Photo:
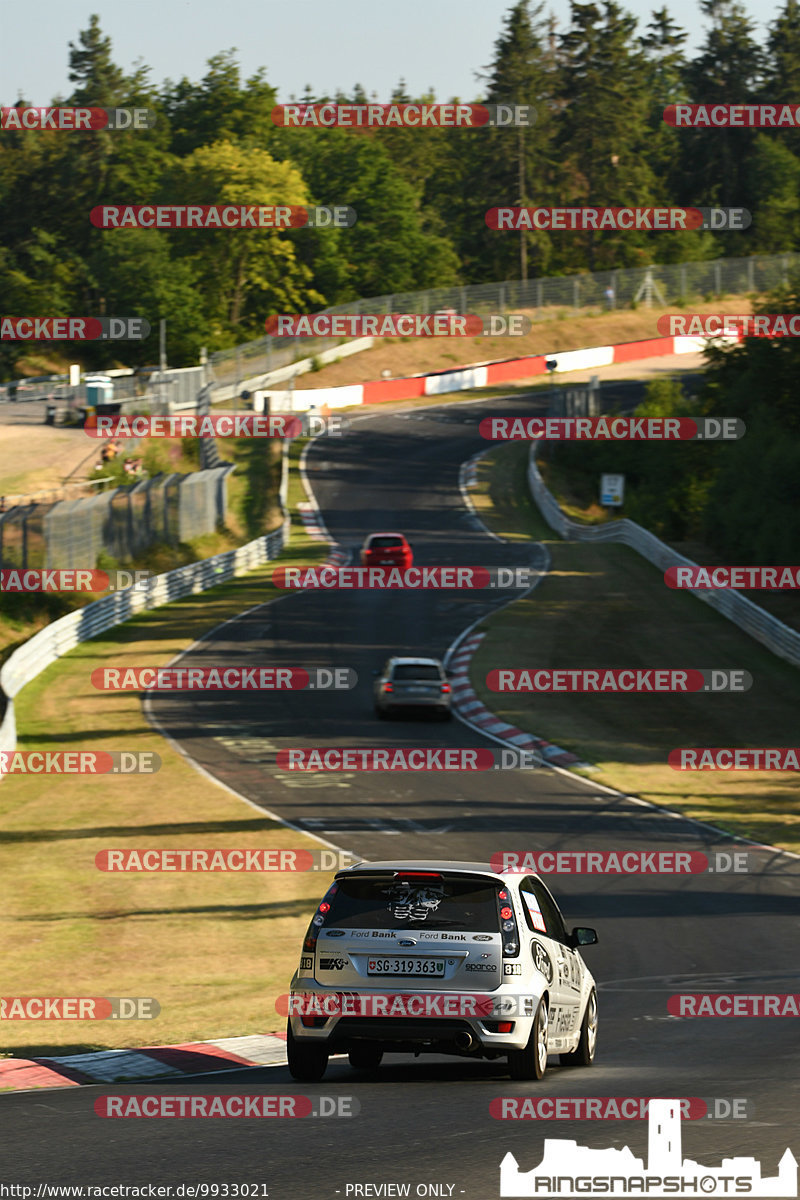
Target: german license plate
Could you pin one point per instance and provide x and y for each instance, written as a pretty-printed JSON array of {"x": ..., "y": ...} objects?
[{"x": 405, "y": 966}]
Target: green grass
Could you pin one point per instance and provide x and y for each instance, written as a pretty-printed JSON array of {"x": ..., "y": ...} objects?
[
  {"x": 215, "y": 950},
  {"x": 605, "y": 606}
]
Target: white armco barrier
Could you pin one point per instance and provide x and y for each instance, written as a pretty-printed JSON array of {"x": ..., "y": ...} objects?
[
  {"x": 768, "y": 630},
  {"x": 64, "y": 634},
  {"x": 456, "y": 381}
]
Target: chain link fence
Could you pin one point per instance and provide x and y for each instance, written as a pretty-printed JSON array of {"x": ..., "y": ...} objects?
[{"x": 124, "y": 522}]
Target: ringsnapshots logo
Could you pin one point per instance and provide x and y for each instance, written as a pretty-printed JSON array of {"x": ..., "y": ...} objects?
[
  {"x": 78, "y": 1008},
  {"x": 403, "y": 116},
  {"x": 72, "y": 579},
  {"x": 78, "y": 762},
  {"x": 620, "y": 219},
  {"x": 567, "y": 1169},
  {"x": 732, "y": 116},
  {"x": 278, "y": 426},
  {"x": 73, "y": 329},
  {"x": 757, "y": 578},
  {"x": 415, "y": 758},
  {"x": 615, "y": 1108},
  {"x": 730, "y": 758},
  {"x": 224, "y": 679},
  {"x": 411, "y": 578},
  {"x": 64, "y": 119},
  {"x": 620, "y": 429},
  {"x": 415, "y": 325},
  {"x": 222, "y": 216},
  {"x": 617, "y": 681},
  {"x": 261, "y": 860},
  {"x": 741, "y": 325},
  {"x": 194, "y": 1107},
  {"x": 618, "y": 862}
]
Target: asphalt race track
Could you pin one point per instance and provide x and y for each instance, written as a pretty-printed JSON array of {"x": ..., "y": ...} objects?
[{"x": 427, "y": 1121}]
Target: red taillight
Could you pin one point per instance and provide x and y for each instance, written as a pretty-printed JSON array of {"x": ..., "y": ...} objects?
[
  {"x": 508, "y": 924},
  {"x": 417, "y": 875},
  {"x": 445, "y": 687},
  {"x": 312, "y": 933},
  {"x": 505, "y": 1026},
  {"x": 387, "y": 687}
]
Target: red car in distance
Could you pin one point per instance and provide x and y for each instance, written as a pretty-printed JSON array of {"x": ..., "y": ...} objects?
[{"x": 386, "y": 550}]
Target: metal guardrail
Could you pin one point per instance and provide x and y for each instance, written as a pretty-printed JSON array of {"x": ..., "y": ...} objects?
[
  {"x": 63, "y": 635},
  {"x": 671, "y": 282},
  {"x": 751, "y": 619}
]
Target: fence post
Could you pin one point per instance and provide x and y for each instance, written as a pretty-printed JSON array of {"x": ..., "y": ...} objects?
[{"x": 575, "y": 293}]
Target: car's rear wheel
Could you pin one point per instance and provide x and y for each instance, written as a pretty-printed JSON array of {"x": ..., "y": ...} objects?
[
  {"x": 380, "y": 713},
  {"x": 531, "y": 1062},
  {"x": 365, "y": 1056},
  {"x": 583, "y": 1054},
  {"x": 307, "y": 1061}
]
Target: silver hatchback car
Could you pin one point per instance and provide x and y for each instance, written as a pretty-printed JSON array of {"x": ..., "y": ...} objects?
[
  {"x": 443, "y": 958},
  {"x": 413, "y": 683}
]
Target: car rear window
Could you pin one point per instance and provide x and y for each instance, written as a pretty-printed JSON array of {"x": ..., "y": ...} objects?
[
  {"x": 375, "y": 543},
  {"x": 408, "y": 671},
  {"x": 439, "y": 903}
]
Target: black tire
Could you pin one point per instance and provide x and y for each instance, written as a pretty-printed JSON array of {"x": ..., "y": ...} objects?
[
  {"x": 446, "y": 715},
  {"x": 531, "y": 1062},
  {"x": 584, "y": 1052},
  {"x": 380, "y": 713},
  {"x": 307, "y": 1061},
  {"x": 365, "y": 1056}
]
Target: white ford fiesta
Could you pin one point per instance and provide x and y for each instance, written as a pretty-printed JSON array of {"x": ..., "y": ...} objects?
[{"x": 440, "y": 958}]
